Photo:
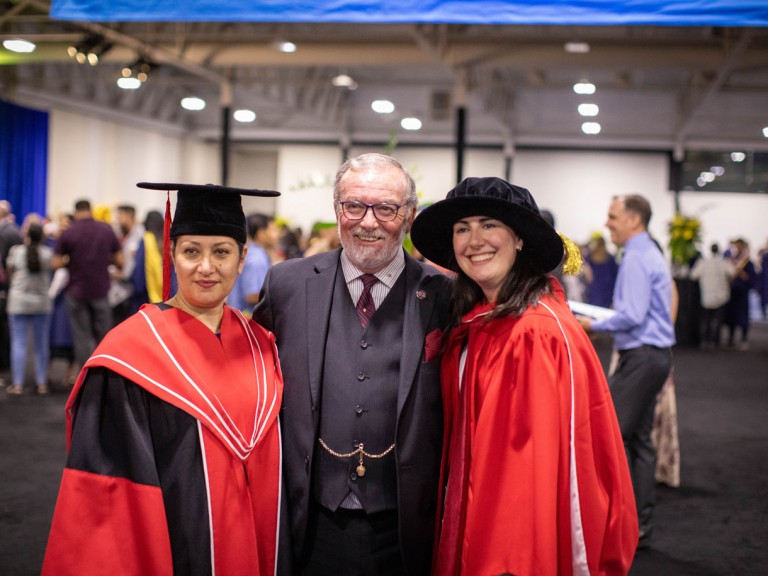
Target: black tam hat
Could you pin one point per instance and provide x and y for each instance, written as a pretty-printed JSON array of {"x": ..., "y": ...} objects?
[
  {"x": 432, "y": 231},
  {"x": 202, "y": 210}
]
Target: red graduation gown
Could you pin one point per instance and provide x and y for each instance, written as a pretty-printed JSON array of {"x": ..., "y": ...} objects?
[
  {"x": 173, "y": 452},
  {"x": 546, "y": 488}
]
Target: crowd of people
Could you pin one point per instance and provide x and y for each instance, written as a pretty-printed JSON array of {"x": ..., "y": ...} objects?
[
  {"x": 68, "y": 280},
  {"x": 247, "y": 401},
  {"x": 726, "y": 280}
]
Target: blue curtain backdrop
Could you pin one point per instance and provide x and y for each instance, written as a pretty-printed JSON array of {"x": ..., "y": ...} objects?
[
  {"x": 23, "y": 158},
  {"x": 564, "y": 12}
]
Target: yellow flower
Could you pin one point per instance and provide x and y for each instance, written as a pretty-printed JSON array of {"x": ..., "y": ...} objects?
[{"x": 683, "y": 237}]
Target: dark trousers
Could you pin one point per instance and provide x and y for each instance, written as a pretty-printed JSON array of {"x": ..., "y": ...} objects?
[
  {"x": 352, "y": 543},
  {"x": 639, "y": 377},
  {"x": 712, "y": 324},
  {"x": 90, "y": 320},
  {"x": 5, "y": 334}
]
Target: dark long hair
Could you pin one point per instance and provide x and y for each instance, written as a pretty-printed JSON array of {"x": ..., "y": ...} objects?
[
  {"x": 523, "y": 287},
  {"x": 35, "y": 235}
]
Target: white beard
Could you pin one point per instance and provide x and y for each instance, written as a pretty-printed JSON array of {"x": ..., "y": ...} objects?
[{"x": 374, "y": 257}]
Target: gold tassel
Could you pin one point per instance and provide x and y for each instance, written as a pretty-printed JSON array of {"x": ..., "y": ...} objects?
[{"x": 573, "y": 260}]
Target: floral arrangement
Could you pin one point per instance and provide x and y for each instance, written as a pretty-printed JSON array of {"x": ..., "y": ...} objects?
[{"x": 684, "y": 235}]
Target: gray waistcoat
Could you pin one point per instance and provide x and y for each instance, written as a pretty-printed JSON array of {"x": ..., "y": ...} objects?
[{"x": 359, "y": 401}]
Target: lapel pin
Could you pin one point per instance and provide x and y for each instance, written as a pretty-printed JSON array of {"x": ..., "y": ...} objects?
[{"x": 420, "y": 294}]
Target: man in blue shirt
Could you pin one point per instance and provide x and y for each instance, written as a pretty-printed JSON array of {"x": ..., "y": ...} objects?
[
  {"x": 643, "y": 333},
  {"x": 245, "y": 293}
]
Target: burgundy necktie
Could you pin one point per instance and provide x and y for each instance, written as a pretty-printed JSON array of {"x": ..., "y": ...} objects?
[{"x": 365, "y": 305}]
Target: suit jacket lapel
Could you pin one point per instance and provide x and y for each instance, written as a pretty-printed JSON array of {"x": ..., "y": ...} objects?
[
  {"x": 417, "y": 312},
  {"x": 318, "y": 314}
]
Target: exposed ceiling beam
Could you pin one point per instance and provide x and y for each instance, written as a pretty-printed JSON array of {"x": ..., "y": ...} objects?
[
  {"x": 726, "y": 69},
  {"x": 18, "y": 9}
]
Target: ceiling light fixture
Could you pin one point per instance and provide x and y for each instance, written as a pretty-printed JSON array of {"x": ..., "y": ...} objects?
[
  {"x": 89, "y": 50},
  {"x": 588, "y": 109},
  {"x": 738, "y": 156},
  {"x": 765, "y": 131},
  {"x": 410, "y": 123},
  {"x": 344, "y": 81},
  {"x": 591, "y": 128},
  {"x": 577, "y": 47},
  {"x": 285, "y": 46},
  {"x": 244, "y": 115},
  {"x": 134, "y": 75},
  {"x": 192, "y": 103},
  {"x": 19, "y": 45},
  {"x": 129, "y": 83},
  {"x": 142, "y": 68},
  {"x": 382, "y": 106},
  {"x": 584, "y": 87}
]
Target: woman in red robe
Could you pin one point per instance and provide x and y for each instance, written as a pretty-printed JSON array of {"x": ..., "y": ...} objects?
[
  {"x": 534, "y": 476},
  {"x": 173, "y": 446}
]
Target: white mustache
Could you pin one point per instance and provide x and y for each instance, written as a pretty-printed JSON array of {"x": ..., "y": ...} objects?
[{"x": 363, "y": 235}]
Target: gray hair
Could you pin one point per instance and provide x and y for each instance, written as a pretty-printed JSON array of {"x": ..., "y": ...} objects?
[{"x": 375, "y": 160}]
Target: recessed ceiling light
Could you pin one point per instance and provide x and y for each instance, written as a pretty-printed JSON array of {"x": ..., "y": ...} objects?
[
  {"x": 576, "y": 47},
  {"x": 410, "y": 123},
  {"x": 19, "y": 45},
  {"x": 588, "y": 109},
  {"x": 344, "y": 81},
  {"x": 591, "y": 128},
  {"x": 738, "y": 156},
  {"x": 717, "y": 170},
  {"x": 765, "y": 131},
  {"x": 382, "y": 106},
  {"x": 285, "y": 46},
  {"x": 584, "y": 87},
  {"x": 192, "y": 103},
  {"x": 129, "y": 83},
  {"x": 707, "y": 176},
  {"x": 244, "y": 115}
]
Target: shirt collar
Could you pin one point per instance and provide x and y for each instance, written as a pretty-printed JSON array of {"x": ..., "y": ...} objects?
[
  {"x": 639, "y": 239},
  {"x": 387, "y": 275}
]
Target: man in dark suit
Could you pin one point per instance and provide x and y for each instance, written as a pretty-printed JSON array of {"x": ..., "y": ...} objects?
[{"x": 359, "y": 332}]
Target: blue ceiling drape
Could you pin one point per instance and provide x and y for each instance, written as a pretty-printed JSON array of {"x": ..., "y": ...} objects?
[
  {"x": 558, "y": 12},
  {"x": 23, "y": 158}
]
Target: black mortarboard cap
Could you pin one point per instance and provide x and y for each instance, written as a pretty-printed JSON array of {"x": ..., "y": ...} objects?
[
  {"x": 208, "y": 209},
  {"x": 203, "y": 210}
]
